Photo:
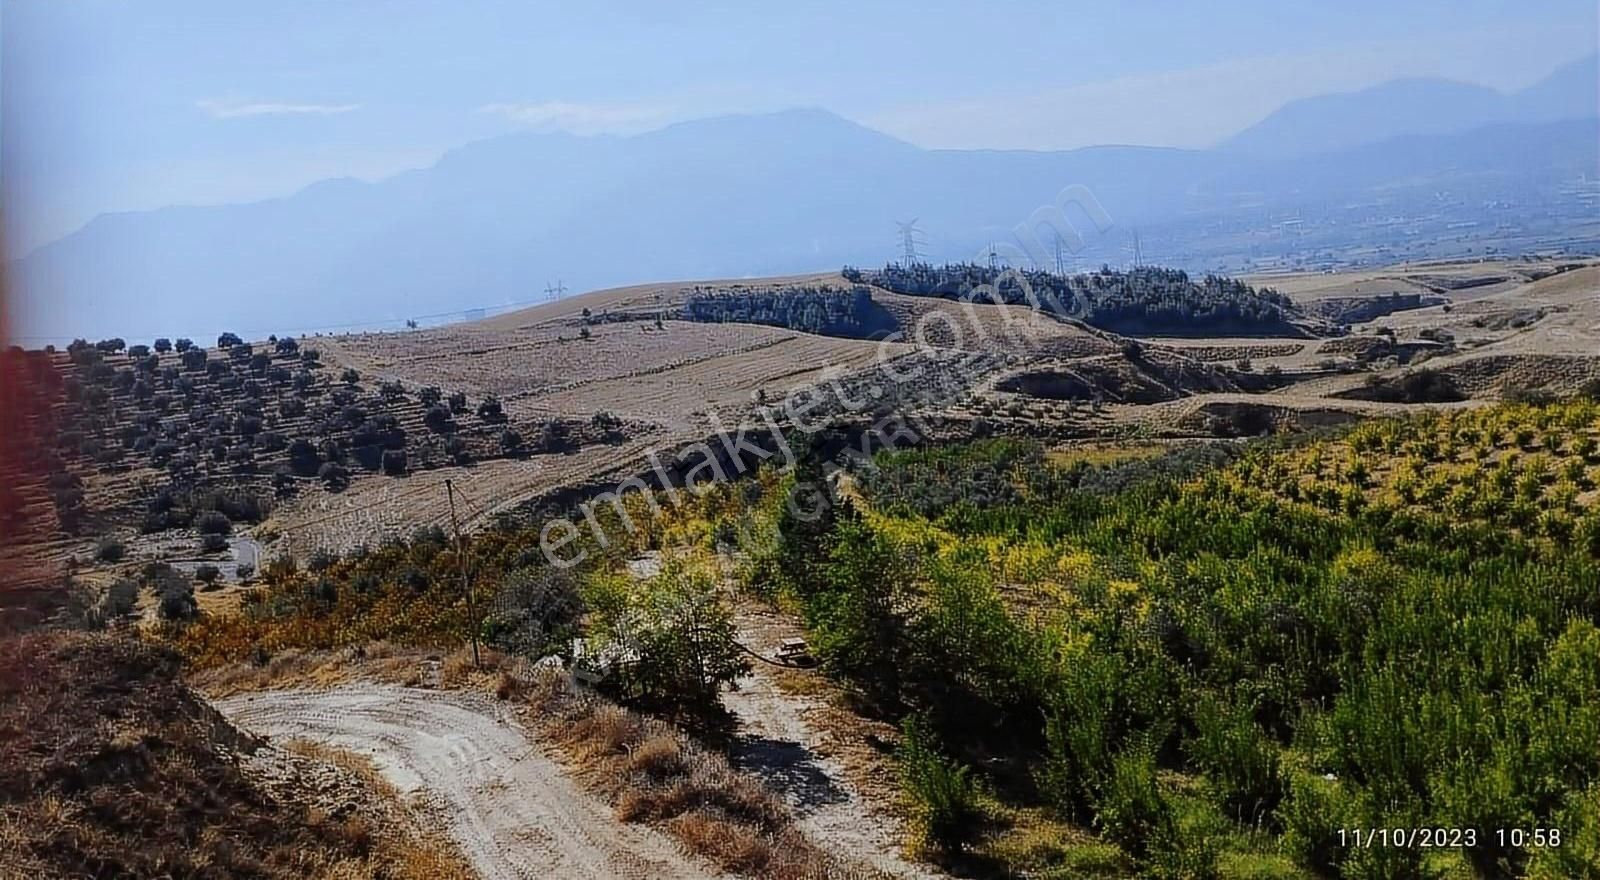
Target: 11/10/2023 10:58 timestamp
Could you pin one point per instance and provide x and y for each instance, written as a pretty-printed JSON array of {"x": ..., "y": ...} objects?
[{"x": 1440, "y": 837}]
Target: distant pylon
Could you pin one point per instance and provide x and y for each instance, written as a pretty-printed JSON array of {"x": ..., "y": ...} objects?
[
  {"x": 910, "y": 237},
  {"x": 1061, "y": 258},
  {"x": 555, "y": 291}
]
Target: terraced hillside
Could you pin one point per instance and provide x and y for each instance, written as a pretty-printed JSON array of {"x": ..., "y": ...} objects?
[{"x": 577, "y": 393}]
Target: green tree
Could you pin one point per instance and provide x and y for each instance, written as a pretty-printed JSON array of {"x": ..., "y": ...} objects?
[
  {"x": 858, "y": 623},
  {"x": 672, "y": 640}
]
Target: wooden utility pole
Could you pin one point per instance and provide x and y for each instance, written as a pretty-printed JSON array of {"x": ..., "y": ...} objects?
[{"x": 466, "y": 585}]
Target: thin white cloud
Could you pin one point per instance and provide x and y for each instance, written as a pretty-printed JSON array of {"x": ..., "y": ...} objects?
[
  {"x": 231, "y": 109},
  {"x": 585, "y": 118}
]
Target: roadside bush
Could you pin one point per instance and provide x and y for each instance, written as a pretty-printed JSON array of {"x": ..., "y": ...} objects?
[
  {"x": 438, "y": 419},
  {"x": 174, "y": 594},
  {"x": 678, "y": 633},
  {"x": 943, "y": 796},
  {"x": 207, "y": 574},
  {"x": 534, "y": 612},
  {"x": 178, "y": 605}
]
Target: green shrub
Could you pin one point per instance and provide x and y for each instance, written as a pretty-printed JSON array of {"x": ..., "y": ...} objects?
[
  {"x": 1578, "y": 855},
  {"x": 1240, "y": 762},
  {"x": 944, "y": 798},
  {"x": 1311, "y": 810},
  {"x": 1130, "y": 810}
]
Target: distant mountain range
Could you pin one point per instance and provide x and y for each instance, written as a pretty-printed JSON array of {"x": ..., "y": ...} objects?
[
  {"x": 1417, "y": 106},
  {"x": 495, "y": 221}
]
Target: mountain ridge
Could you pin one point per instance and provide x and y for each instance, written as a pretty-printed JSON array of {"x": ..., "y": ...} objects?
[
  {"x": 771, "y": 194},
  {"x": 1416, "y": 105}
]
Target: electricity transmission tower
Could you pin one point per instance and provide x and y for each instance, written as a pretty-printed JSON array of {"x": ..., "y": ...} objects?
[
  {"x": 555, "y": 291},
  {"x": 910, "y": 238}
]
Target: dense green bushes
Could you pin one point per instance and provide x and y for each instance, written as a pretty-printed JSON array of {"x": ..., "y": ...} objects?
[
  {"x": 823, "y": 310},
  {"x": 1305, "y": 666},
  {"x": 1141, "y": 301}
]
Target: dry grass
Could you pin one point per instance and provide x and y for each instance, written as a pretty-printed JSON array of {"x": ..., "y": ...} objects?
[
  {"x": 403, "y": 849},
  {"x": 651, "y": 772},
  {"x": 293, "y": 668},
  {"x": 359, "y": 766},
  {"x": 491, "y": 671}
]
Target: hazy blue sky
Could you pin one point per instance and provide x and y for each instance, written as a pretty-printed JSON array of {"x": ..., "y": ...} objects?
[{"x": 128, "y": 104}]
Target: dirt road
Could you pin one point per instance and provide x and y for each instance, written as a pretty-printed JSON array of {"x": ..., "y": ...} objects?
[
  {"x": 513, "y": 812},
  {"x": 778, "y": 744}
]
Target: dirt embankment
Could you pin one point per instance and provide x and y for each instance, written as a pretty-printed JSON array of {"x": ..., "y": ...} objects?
[
  {"x": 111, "y": 767},
  {"x": 513, "y": 812}
]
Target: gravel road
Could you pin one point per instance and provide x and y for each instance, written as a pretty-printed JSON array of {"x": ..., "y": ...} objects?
[{"x": 511, "y": 809}]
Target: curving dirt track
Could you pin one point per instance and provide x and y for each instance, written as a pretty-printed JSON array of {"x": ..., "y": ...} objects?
[
  {"x": 777, "y": 743},
  {"x": 512, "y": 811}
]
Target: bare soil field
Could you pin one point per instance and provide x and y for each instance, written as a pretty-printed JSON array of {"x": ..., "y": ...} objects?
[
  {"x": 669, "y": 378},
  {"x": 374, "y": 507}
]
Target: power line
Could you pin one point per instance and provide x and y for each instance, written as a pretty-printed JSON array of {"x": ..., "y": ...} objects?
[{"x": 466, "y": 583}]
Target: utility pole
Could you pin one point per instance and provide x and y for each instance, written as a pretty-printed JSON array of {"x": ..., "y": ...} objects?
[
  {"x": 466, "y": 586},
  {"x": 555, "y": 291}
]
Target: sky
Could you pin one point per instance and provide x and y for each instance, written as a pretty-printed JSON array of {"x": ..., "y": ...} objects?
[{"x": 117, "y": 105}]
